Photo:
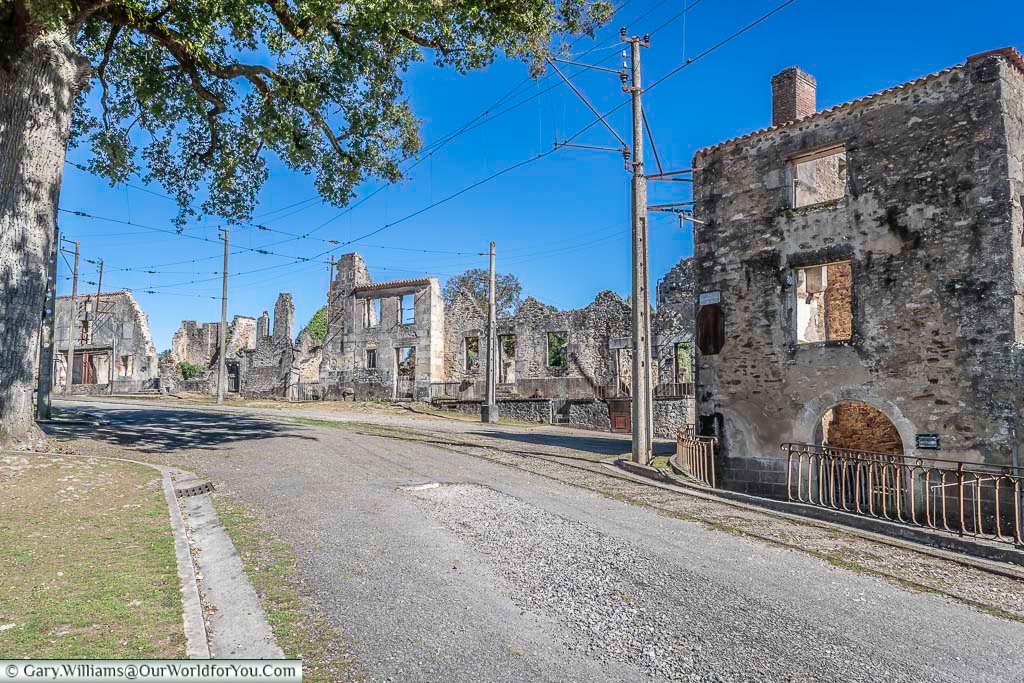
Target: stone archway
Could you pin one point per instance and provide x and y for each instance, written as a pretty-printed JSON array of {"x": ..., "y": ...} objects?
[
  {"x": 858, "y": 426},
  {"x": 808, "y": 427}
]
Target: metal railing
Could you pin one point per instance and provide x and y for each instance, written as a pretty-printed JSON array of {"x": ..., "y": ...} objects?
[
  {"x": 674, "y": 390},
  {"x": 967, "y": 499},
  {"x": 695, "y": 455}
]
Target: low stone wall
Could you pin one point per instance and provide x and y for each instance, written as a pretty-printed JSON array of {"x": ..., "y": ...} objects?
[
  {"x": 521, "y": 410},
  {"x": 670, "y": 414},
  {"x": 590, "y": 415}
]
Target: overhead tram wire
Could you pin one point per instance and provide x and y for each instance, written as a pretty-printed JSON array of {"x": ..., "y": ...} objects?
[
  {"x": 549, "y": 152},
  {"x": 533, "y": 159}
]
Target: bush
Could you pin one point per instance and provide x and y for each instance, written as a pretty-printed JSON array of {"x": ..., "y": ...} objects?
[
  {"x": 191, "y": 370},
  {"x": 318, "y": 325}
]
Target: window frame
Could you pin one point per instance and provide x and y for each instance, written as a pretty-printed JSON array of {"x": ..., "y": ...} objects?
[
  {"x": 795, "y": 303},
  {"x": 564, "y": 350},
  {"x": 371, "y": 353},
  {"x": 411, "y": 309},
  {"x": 466, "y": 365},
  {"x": 375, "y": 304},
  {"x": 809, "y": 155}
]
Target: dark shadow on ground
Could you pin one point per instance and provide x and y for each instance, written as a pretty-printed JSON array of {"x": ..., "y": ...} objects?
[
  {"x": 154, "y": 430},
  {"x": 600, "y": 445}
]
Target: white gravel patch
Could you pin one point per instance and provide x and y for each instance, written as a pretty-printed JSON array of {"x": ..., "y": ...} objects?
[{"x": 619, "y": 603}]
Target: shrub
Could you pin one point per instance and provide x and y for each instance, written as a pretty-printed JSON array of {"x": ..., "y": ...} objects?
[{"x": 191, "y": 370}]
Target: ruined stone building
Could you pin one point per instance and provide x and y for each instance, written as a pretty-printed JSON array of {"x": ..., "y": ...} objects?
[
  {"x": 113, "y": 347},
  {"x": 574, "y": 366},
  {"x": 860, "y": 274},
  {"x": 198, "y": 344},
  {"x": 384, "y": 340}
]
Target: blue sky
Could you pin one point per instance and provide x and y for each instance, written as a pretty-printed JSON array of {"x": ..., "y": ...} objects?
[{"x": 561, "y": 223}]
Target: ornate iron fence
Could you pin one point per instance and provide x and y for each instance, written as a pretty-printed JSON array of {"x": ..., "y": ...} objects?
[
  {"x": 967, "y": 499},
  {"x": 695, "y": 455},
  {"x": 674, "y": 390}
]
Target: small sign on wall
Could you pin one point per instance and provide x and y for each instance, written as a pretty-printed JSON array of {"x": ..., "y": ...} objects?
[
  {"x": 928, "y": 442},
  {"x": 708, "y": 298}
]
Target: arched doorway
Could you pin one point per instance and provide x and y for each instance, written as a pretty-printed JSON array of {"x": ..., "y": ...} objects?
[{"x": 858, "y": 426}]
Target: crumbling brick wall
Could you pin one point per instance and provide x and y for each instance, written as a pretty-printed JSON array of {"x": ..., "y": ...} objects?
[
  {"x": 860, "y": 427},
  {"x": 925, "y": 224}
]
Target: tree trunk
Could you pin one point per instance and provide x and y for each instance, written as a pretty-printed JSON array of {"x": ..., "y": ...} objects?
[{"x": 37, "y": 93}]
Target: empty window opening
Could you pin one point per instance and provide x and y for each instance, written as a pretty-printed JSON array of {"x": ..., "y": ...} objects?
[
  {"x": 407, "y": 361},
  {"x": 125, "y": 366},
  {"x": 472, "y": 353},
  {"x": 371, "y": 359},
  {"x": 371, "y": 312},
  {"x": 507, "y": 357},
  {"x": 859, "y": 426},
  {"x": 557, "y": 349},
  {"x": 408, "y": 306},
  {"x": 684, "y": 362},
  {"x": 818, "y": 177},
  {"x": 823, "y": 303}
]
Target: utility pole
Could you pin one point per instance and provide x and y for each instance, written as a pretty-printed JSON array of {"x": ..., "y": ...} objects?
[
  {"x": 490, "y": 409},
  {"x": 223, "y": 331},
  {"x": 46, "y": 351},
  {"x": 643, "y": 421},
  {"x": 74, "y": 319},
  {"x": 96, "y": 304}
]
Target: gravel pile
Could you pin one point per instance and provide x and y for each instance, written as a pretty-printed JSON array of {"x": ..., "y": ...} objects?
[{"x": 619, "y": 603}]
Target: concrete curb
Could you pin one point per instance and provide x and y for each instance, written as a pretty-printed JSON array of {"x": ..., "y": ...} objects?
[
  {"x": 238, "y": 626},
  {"x": 802, "y": 514}
]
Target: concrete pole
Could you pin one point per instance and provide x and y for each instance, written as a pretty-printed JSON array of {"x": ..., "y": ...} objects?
[
  {"x": 74, "y": 321},
  {"x": 643, "y": 422},
  {"x": 222, "y": 365},
  {"x": 490, "y": 413},
  {"x": 46, "y": 350}
]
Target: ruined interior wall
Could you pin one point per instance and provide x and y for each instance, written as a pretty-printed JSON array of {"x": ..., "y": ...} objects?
[
  {"x": 673, "y": 320},
  {"x": 925, "y": 226},
  {"x": 122, "y": 328},
  {"x": 464, "y": 318},
  {"x": 860, "y": 427}
]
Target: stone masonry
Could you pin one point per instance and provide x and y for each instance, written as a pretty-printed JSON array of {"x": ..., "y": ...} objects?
[
  {"x": 112, "y": 344},
  {"x": 926, "y": 322}
]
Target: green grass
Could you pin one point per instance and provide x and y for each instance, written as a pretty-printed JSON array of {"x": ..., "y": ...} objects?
[
  {"x": 87, "y": 567},
  {"x": 301, "y": 629},
  {"x": 661, "y": 462}
]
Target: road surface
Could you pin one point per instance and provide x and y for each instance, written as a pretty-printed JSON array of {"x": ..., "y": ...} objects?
[{"x": 443, "y": 566}]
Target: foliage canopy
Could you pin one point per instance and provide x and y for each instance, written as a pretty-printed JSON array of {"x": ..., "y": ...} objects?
[
  {"x": 197, "y": 94},
  {"x": 476, "y": 282}
]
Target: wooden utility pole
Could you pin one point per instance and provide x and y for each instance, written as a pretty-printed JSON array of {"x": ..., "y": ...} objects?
[
  {"x": 96, "y": 304},
  {"x": 222, "y": 335},
  {"x": 490, "y": 409},
  {"x": 642, "y": 398},
  {"x": 73, "y": 324},
  {"x": 46, "y": 334},
  {"x": 330, "y": 297}
]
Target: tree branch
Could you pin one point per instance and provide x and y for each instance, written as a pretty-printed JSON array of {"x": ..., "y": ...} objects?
[{"x": 101, "y": 70}]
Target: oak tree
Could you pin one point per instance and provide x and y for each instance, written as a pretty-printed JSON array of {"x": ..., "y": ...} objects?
[{"x": 197, "y": 95}]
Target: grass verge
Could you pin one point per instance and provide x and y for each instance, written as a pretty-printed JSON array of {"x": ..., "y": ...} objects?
[
  {"x": 300, "y": 627},
  {"x": 88, "y": 568}
]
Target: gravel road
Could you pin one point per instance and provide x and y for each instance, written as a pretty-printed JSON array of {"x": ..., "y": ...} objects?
[{"x": 496, "y": 574}]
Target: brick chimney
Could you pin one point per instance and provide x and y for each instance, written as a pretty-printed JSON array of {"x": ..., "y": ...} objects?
[{"x": 793, "y": 95}]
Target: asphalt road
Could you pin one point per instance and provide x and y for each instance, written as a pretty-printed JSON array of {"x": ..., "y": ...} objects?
[{"x": 442, "y": 566}]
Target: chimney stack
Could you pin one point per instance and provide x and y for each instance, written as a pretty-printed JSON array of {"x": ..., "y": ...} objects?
[{"x": 793, "y": 95}]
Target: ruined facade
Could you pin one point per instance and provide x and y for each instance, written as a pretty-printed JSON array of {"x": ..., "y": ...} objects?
[
  {"x": 198, "y": 344},
  {"x": 871, "y": 255},
  {"x": 384, "y": 340},
  {"x": 113, "y": 347}
]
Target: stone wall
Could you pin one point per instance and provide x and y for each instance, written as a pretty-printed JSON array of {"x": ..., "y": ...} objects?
[
  {"x": 670, "y": 415},
  {"x": 860, "y": 427},
  {"x": 589, "y": 415},
  {"x": 673, "y": 322},
  {"x": 589, "y": 359},
  {"x": 926, "y": 224}
]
